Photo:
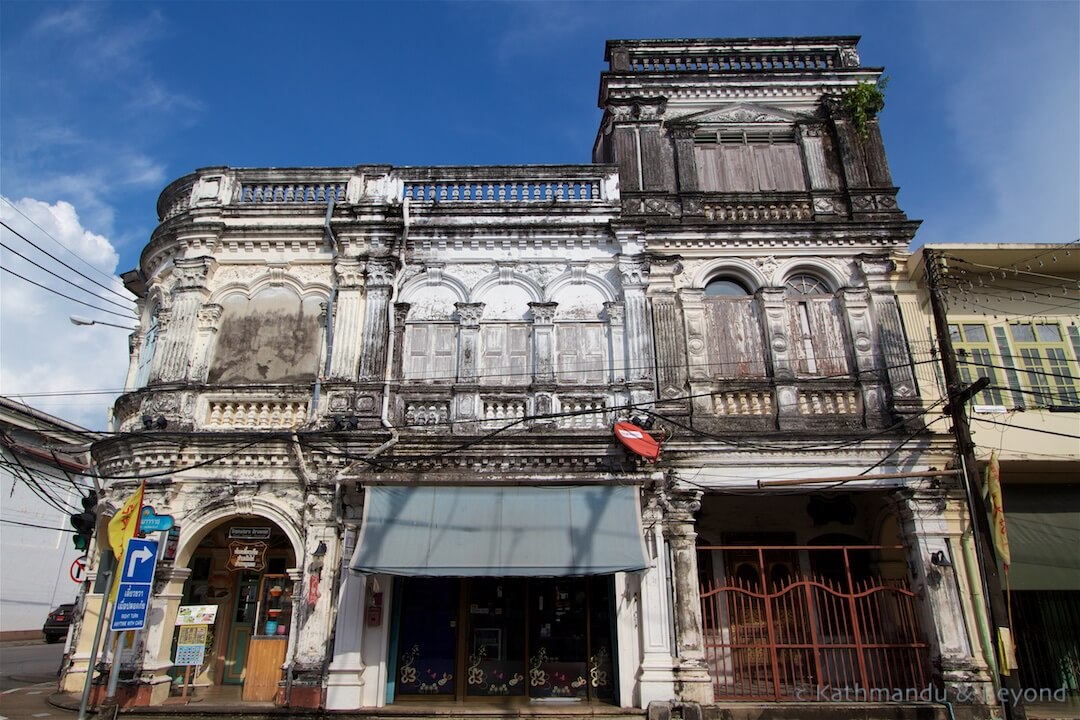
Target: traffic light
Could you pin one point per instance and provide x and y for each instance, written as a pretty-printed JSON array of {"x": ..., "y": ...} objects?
[{"x": 85, "y": 522}]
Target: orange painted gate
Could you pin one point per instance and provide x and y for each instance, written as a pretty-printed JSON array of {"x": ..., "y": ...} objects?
[{"x": 839, "y": 633}]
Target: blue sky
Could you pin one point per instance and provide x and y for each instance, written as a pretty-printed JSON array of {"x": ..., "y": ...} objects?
[{"x": 102, "y": 105}]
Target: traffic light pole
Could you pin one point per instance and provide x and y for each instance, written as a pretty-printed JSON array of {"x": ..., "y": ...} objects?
[
  {"x": 1013, "y": 704},
  {"x": 109, "y": 577}
]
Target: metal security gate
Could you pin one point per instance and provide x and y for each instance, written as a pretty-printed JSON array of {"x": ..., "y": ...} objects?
[
  {"x": 839, "y": 633},
  {"x": 1047, "y": 633}
]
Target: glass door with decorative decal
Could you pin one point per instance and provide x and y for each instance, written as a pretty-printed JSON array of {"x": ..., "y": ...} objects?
[
  {"x": 558, "y": 632},
  {"x": 426, "y": 660},
  {"x": 495, "y": 638}
]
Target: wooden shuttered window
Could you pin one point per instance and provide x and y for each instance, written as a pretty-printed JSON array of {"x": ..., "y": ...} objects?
[
  {"x": 818, "y": 344},
  {"x": 430, "y": 352},
  {"x": 736, "y": 345},
  {"x": 504, "y": 354},
  {"x": 580, "y": 351},
  {"x": 749, "y": 163}
]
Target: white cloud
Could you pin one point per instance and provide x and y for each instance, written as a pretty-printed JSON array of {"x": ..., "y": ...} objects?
[{"x": 40, "y": 350}]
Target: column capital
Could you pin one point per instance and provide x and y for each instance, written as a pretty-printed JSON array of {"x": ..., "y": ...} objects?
[
  {"x": 191, "y": 273},
  {"x": 350, "y": 273},
  {"x": 543, "y": 312},
  {"x": 469, "y": 313},
  {"x": 634, "y": 270},
  {"x": 380, "y": 273}
]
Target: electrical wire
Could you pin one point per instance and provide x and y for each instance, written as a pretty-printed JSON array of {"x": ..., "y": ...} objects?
[
  {"x": 62, "y": 278},
  {"x": 41, "y": 527},
  {"x": 1030, "y": 429},
  {"x": 66, "y": 297},
  {"x": 61, "y": 245}
]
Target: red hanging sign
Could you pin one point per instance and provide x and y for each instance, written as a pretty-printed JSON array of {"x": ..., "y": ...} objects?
[{"x": 637, "y": 440}]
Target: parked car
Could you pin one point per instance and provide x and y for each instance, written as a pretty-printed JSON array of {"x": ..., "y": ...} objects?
[{"x": 57, "y": 624}]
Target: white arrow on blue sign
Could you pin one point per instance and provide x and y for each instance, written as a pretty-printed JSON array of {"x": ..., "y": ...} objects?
[{"x": 136, "y": 583}]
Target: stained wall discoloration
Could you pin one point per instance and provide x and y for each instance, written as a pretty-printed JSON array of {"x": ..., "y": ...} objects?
[{"x": 272, "y": 337}]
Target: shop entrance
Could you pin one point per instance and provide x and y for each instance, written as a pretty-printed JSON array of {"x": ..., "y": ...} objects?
[
  {"x": 238, "y": 570},
  {"x": 471, "y": 638}
]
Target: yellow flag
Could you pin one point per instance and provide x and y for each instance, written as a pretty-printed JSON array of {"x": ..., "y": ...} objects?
[
  {"x": 997, "y": 510},
  {"x": 123, "y": 527}
]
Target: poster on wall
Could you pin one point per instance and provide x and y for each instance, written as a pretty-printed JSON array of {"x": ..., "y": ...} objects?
[
  {"x": 247, "y": 556},
  {"x": 196, "y": 614}
]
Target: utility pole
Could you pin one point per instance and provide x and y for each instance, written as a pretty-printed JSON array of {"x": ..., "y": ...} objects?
[{"x": 958, "y": 397}]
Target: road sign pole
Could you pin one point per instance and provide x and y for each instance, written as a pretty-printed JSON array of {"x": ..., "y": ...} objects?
[
  {"x": 110, "y": 576},
  {"x": 119, "y": 641}
]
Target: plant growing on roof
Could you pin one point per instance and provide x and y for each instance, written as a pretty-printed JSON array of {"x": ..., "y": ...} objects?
[{"x": 864, "y": 102}]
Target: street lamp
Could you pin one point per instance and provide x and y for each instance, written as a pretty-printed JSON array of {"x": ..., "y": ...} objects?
[{"x": 79, "y": 320}]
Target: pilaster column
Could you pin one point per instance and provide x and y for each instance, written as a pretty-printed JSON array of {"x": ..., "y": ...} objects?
[
  {"x": 468, "y": 339},
  {"x": 543, "y": 340},
  {"x": 174, "y": 353},
  {"x": 635, "y": 278},
  {"x": 670, "y": 345},
  {"x": 157, "y": 637},
  {"x": 380, "y": 277},
  {"x": 209, "y": 316},
  {"x": 885, "y": 311},
  {"x": 931, "y": 522},
  {"x": 401, "y": 314},
  {"x": 348, "y": 308},
  {"x": 692, "y": 676},
  {"x": 345, "y": 676},
  {"x": 616, "y": 339},
  {"x": 657, "y": 675},
  {"x": 777, "y": 332},
  {"x": 856, "y": 304}
]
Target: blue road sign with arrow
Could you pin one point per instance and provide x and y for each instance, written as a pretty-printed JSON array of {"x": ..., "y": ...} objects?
[{"x": 136, "y": 585}]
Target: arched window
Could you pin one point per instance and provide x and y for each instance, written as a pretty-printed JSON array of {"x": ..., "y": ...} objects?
[
  {"x": 505, "y": 348},
  {"x": 725, "y": 287},
  {"x": 733, "y": 327},
  {"x": 431, "y": 337},
  {"x": 816, "y": 327},
  {"x": 146, "y": 354}
]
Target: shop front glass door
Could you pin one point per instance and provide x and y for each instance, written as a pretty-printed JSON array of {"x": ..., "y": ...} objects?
[
  {"x": 558, "y": 646},
  {"x": 427, "y": 643},
  {"x": 495, "y": 612}
]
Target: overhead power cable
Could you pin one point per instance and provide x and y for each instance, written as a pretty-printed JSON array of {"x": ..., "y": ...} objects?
[
  {"x": 62, "y": 278},
  {"x": 61, "y": 245},
  {"x": 66, "y": 297},
  {"x": 32, "y": 525}
]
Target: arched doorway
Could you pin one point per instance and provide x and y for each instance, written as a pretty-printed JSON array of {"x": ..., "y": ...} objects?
[{"x": 240, "y": 577}]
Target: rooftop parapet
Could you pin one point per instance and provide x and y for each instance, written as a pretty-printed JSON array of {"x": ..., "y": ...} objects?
[
  {"x": 311, "y": 187},
  {"x": 732, "y": 55}
]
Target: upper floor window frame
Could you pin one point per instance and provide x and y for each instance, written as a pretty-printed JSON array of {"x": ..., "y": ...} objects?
[
  {"x": 749, "y": 158},
  {"x": 1044, "y": 363},
  {"x": 975, "y": 353}
]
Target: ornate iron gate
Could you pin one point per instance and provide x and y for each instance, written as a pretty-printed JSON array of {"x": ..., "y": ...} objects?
[{"x": 827, "y": 635}]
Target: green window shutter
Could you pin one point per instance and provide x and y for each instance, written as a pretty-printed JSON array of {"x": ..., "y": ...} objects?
[{"x": 1010, "y": 365}]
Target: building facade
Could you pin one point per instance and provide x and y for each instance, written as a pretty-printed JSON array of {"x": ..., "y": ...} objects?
[
  {"x": 1013, "y": 319},
  {"x": 43, "y": 473},
  {"x": 387, "y": 394}
]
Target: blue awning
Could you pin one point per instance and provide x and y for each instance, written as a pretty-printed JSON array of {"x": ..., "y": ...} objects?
[{"x": 500, "y": 531}]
